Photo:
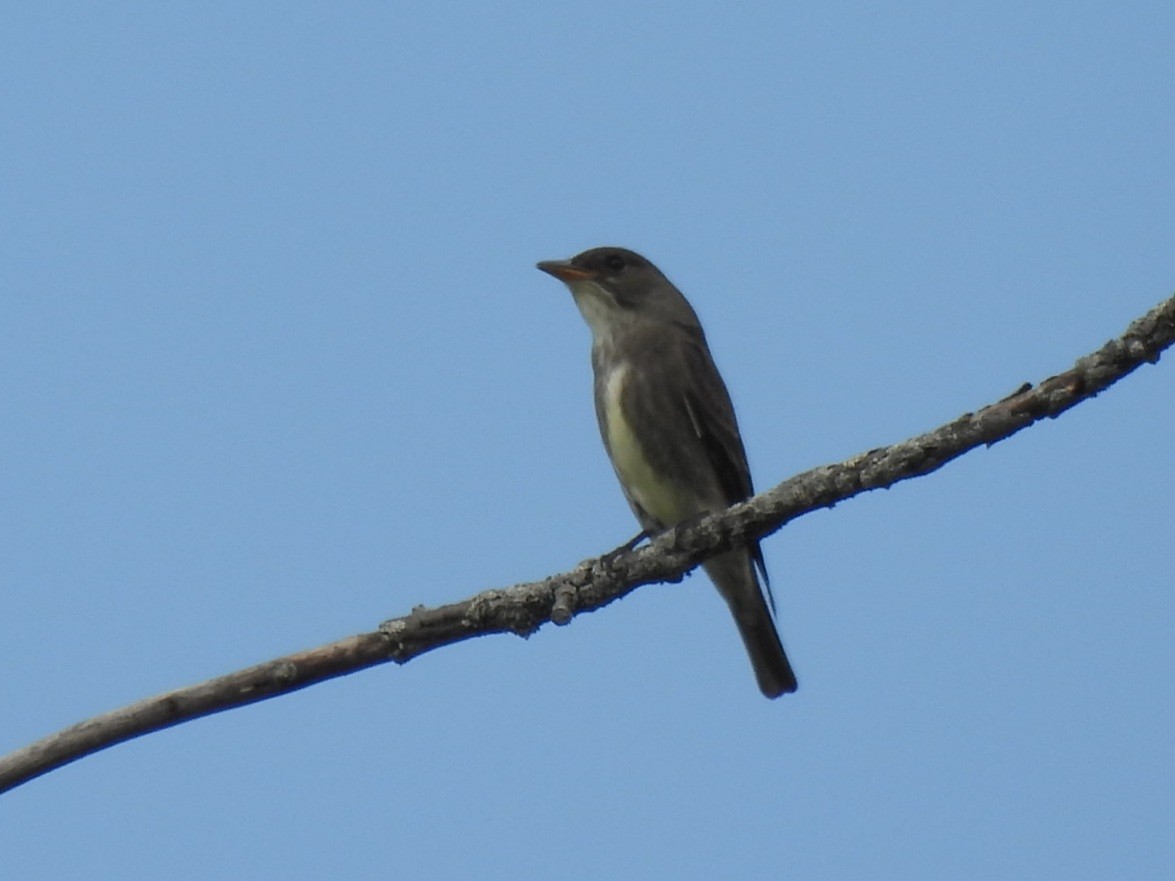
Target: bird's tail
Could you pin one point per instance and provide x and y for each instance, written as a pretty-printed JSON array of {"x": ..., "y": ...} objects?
[{"x": 735, "y": 579}]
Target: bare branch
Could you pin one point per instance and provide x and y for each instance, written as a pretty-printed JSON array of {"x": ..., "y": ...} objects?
[{"x": 523, "y": 608}]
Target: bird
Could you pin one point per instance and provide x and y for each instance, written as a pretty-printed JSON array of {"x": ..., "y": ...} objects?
[{"x": 669, "y": 428}]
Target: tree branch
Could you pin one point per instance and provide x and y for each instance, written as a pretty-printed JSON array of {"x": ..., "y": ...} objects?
[{"x": 523, "y": 608}]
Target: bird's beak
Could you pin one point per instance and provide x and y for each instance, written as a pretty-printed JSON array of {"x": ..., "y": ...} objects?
[{"x": 564, "y": 271}]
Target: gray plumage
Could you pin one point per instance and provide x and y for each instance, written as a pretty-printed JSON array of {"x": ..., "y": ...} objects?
[{"x": 669, "y": 427}]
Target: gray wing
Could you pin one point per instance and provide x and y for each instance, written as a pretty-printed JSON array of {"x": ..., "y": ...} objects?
[{"x": 712, "y": 416}]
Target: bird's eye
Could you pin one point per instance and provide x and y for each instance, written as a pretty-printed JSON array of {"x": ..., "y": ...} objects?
[{"x": 614, "y": 262}]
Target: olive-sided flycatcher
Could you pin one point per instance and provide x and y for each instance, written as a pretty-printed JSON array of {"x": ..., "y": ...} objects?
[{"x": 669, "y": 427}]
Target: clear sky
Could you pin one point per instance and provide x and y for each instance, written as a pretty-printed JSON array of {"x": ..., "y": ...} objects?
[{"x": 275, "y": 365}]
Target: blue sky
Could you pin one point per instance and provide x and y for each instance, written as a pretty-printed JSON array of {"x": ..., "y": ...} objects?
[{"x": 275, "y": 365}]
